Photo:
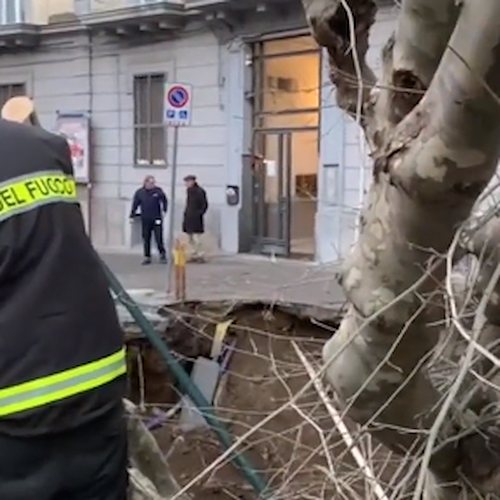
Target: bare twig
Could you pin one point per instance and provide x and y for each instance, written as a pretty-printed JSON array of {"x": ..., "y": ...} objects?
[{"x": 342, "y": 428}]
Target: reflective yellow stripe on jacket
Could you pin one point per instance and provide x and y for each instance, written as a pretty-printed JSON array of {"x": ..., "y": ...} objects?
[
  {"x": 45, "y": 390},
  {"x": 25, "y": 193},
  {"x": 19, "y": 195}
]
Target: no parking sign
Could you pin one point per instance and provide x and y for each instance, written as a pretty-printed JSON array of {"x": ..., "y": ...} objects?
[{"x": 177, "y": 104}]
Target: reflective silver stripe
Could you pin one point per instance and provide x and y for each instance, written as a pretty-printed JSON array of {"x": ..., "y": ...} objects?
[{"x": 46, "y": 390}]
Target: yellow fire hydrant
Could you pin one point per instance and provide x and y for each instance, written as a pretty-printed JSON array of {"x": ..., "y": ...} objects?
[{"x": 180, "y": 260}]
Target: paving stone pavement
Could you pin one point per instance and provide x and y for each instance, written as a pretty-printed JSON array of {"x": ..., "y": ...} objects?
[{"x": 232, "y": 277}]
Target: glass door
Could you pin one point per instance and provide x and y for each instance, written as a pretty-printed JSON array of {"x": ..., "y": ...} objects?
[{"x": 272, "y": 192}]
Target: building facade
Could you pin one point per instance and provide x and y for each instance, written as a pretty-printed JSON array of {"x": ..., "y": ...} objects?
[{"x": 264, "y": 119}]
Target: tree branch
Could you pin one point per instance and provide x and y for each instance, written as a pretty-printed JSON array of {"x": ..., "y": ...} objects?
[
  {"x": 409, "y": 62},
  {"x": 426, "y": 180},
  {"x": 454, "y": 131},
  {"x": 485, "y": 246},
  {"x": 415, "y": 57},
  {"x": 330, "y": 26}
]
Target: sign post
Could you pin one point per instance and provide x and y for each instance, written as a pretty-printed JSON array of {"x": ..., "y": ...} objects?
[{"x": 176, "y": 113}]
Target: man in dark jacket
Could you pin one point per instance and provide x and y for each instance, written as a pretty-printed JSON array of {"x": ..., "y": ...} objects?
[
  {"x": 152, "y": 202},
  {"x": 193, "y": 224},
  {"x": 62, "y": 362}
]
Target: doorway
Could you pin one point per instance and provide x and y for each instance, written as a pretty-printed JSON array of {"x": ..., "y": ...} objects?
[
  {"x": 286, "y": 146},
  {"x": 271, "y": 192}
]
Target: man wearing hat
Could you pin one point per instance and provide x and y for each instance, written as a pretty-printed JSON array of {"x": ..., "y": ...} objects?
[{"x": 194, "y": 213}]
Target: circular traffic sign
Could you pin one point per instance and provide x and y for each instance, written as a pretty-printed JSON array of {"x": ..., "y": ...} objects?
[{"x": 177, "y": 96}]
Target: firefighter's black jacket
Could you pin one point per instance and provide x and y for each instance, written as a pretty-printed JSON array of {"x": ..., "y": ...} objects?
[{"x": 55, "y": 308}]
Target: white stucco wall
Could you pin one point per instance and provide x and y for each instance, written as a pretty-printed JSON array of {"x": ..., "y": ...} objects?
[
  {"x": 193, "y": 59},
  {"x": 343, "y": 187},
  {"x": 66, "y": 75}
]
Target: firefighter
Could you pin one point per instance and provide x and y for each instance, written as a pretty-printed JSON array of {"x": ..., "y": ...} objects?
[{"x": 62, "y": 361}]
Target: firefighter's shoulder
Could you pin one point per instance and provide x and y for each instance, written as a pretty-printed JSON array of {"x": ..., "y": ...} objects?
[
  {"x": 14, "y": 129},
  {"x": 14, "y": 133},
  {"x": 33, "y": 170},
  {"x": 25, "y": 149}
]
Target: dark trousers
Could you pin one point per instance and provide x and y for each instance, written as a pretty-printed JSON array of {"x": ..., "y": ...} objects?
[
  {"x": 150, "y": 227},
  {"x": 84, "y": 464}
]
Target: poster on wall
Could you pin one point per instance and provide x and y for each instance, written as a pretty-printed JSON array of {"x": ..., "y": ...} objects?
[{"x": 75, "y": 128}]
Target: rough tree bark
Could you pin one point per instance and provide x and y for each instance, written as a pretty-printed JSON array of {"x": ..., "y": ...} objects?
[{"x": 433, "y": 126}]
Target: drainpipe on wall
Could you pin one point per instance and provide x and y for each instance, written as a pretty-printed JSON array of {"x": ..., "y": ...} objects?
[
  {"x": 127, "y": 238},
  {"x": 90, "y": 69}
]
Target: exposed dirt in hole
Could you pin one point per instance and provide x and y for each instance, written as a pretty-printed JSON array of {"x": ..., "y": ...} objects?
[{"x": 263, "y": 375}]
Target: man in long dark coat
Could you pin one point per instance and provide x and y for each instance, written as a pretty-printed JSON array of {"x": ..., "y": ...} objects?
[{"x": 193, "y": 224}]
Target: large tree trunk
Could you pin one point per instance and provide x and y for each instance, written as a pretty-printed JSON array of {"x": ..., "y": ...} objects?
[{"x": 433, "y": 126}]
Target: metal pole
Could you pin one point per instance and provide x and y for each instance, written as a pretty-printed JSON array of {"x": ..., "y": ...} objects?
[
  {"x": 171, "y": 210},
  {"x": 191, "y": 389}
]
